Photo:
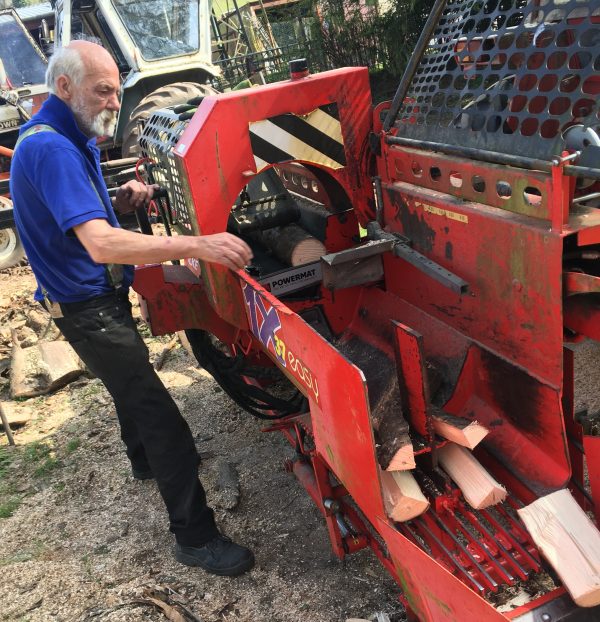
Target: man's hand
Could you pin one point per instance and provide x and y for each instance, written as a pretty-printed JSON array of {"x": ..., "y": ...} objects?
[
  {"x": 225, "y": 249},
  {"x": 133, "y": 195},
  {"x": 107, "y": 244}
]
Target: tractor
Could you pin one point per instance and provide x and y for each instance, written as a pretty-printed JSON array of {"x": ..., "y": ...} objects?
[
  {"x": 22, "y": 91},
  {"x": 163, "y": 61}
]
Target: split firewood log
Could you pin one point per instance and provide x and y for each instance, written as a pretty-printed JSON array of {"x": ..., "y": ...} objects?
[
  {"x": 402, "y": 496},
  {"x": 456, "y": 429},
  {"x": 569, "y": 541},
  {"x": 478, "y": 486}
]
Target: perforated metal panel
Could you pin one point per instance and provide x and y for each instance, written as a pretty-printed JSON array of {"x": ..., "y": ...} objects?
[
  {"x": 159, "y": 138},
  {"x": 508, "y": 76}
]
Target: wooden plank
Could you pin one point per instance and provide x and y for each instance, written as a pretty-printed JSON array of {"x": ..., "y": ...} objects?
[
  {"x": 569, "y": 541},
  {"x": 457, "y": 429},
  {"x": 479, "y": 488},
  {"x": 402, "y": 496}
]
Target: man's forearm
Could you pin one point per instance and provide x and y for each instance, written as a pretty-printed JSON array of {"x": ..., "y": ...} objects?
[
  {"x": 128, "y": 247},
  {"x": 107, "y": 244}
]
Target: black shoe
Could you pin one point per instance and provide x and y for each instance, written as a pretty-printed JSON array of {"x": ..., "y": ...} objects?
[
  {"x": 218, "y": 556},
  {"x": 142, "y": 474}
]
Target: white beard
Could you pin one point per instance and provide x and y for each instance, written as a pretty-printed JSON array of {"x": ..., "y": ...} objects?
[{"x": 103, "y": 124}]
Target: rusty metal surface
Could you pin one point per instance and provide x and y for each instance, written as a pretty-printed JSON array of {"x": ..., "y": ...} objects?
[
  {"x": 512, "y": 265},
  {"x": 497, "y": 347}
]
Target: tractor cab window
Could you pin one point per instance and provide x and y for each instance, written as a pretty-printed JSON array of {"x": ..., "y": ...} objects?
[
  {"x": 112, "y": 44},
  {"x": 161, "y": 28},
  {"x": 22, "y": 64}
]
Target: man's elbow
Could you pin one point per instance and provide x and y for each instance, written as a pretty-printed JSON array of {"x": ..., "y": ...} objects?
[
  {"x": 97, "y": 240},
  {"x": 100, "y": 250}
]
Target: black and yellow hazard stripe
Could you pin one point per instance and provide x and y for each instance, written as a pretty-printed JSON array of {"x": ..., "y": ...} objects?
[{"x": 315, "y": 137}]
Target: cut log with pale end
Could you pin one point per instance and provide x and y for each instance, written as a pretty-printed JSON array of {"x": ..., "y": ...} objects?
[
  {"x": 293, "y": 245},
  {"x": 569, "y": 541},
  {"x": 403, "y": 459},
  {"x": 42, "y": 368},
  {"x": 402, "y": 496},
  {"x": 395, "y": 450},
  {"x": 393, "y": 444},
  {"x": 479, "y": 488},
  {"x": 457, "y": 429}
]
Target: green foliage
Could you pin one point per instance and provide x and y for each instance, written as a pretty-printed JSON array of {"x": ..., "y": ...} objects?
[
  {"x": 36, "y": 452},
  {"x": 359, "y": 33},
  {"x": 6, "y": 458},
  {"x": 72, "y": 445},
  {"x": 354, "y": 33},
  {"x": 40, "y": 456},
  {"x": 8, "y": 506}
]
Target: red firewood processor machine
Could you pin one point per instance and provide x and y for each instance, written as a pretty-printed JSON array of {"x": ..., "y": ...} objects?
[{"x": 461, "y": 223}]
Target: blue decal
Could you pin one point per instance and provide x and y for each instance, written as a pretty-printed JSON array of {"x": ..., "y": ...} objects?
[{"x": 267, "y": 326}]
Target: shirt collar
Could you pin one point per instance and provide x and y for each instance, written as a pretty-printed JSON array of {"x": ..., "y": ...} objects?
[{"x": 55, "y": 113}]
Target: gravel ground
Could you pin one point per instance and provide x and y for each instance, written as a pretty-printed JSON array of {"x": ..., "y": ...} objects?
[
  {"x": 86, "y": 542},
  {"x": 82, "y": 541}
]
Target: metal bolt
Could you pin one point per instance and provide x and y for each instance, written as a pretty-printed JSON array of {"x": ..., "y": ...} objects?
[{"x": 331, "y": 505}]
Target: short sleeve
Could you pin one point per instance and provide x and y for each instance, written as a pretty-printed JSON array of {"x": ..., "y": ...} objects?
[{"x": 60, "y": 176}]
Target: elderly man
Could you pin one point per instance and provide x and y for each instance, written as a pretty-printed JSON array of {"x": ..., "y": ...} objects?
[{"x": 80, "y": 257}]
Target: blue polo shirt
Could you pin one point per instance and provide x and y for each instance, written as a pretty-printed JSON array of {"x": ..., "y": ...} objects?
[{"x": 55, "y": 184}]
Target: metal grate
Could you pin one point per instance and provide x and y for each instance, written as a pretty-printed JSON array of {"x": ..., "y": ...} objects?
[
  {"x": 485, "y": 549},
  {"x": 509, "y": 76},
  {"x": 158, "y": 140}
]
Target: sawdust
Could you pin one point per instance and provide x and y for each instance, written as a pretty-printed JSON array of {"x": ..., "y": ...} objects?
[
  {"x": 587, "y": 376},
  {"x": 86, "y": 541}
]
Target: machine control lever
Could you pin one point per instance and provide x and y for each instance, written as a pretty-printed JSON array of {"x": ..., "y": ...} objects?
[{"x": 401, "y": 248}]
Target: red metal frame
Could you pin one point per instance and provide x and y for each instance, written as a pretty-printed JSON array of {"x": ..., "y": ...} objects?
[{"x": 500, "y": 345}]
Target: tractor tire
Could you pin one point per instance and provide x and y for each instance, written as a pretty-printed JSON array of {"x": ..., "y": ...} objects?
[
  {"x": 168, "y": 95},
  {"x": 12, "y": 252}
]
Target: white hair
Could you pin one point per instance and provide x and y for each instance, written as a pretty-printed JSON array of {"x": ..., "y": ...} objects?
[{"x": 67, "y": 62}]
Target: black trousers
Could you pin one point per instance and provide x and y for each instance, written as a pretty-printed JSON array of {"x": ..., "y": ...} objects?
[{"x": 157, "y": 437}]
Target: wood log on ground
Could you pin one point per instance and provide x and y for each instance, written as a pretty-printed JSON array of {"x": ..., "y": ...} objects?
[
  {"x": 478, "y": 486},
  {"x": 457, "y": 429},
  {"x": 293, "y": 245},
  {"x": 402, "y": 496},
  {"x": 43, "y": 368},
  {"x": 569, "y": 541},
  {"x": 16, "y": 414}
]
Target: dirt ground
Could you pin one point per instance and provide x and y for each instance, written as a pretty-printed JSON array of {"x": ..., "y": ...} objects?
[
  {"x": 81, "y": 540},
  {"x": 85, "y": 541}
]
